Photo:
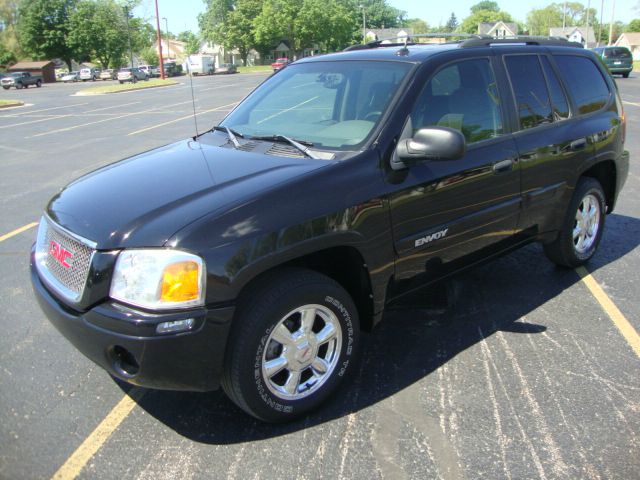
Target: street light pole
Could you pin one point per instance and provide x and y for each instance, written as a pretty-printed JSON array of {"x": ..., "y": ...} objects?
[
  {"x": 126, "y": 14},
  {"x": 166, "y": 27},
  {"x": 613, "y": 9},
  {"x": 159, "y": 42}
]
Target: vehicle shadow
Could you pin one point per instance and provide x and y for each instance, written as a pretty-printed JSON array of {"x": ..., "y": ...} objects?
[{"x": 412, "y": 342}]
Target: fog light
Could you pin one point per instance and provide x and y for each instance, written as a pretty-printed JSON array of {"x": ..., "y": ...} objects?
[{"x": 177, "y": 326}]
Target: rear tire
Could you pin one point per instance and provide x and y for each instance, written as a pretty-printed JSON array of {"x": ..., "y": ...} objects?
[
  {"x": 295, "y": 337},
  {"x": 625, "y": 75},
  {"x": 583, "y": 225},
  {"x": 38, "y": 84}
]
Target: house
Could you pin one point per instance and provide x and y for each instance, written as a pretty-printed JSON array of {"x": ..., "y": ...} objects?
[
  {"x": 284, "y": 50},
  {"x": 389, "y": 35},
  {"x": 631, "y": 40},
  {"x": 583, "y": 35},
  {"x": 221, "y": 55},
  {"x": 173, "y": 50},
  {"x": 46, "y": 68},
  {"x": 498, "y": 29}
]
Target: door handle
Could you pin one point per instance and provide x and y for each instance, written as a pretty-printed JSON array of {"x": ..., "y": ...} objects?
[
  {"x": 578, "y": 144},
  {"x": 503, "y": 165}
]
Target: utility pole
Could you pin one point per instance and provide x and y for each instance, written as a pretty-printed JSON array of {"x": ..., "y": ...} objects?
[
  {"x": 364, "y": 26},
  {"x": 564, "y": 17},
  {"x": 600, "y": 25},
  {"x": 613, "y": 9},
  {"x": 159, "y": 42},
  {"x": 586, "y": 43}
]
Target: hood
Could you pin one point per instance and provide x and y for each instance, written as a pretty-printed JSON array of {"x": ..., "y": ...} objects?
[{"x": 144, "y": 200}]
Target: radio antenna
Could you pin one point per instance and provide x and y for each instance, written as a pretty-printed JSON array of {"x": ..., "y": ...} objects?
[{"x": 193, "y": 99}]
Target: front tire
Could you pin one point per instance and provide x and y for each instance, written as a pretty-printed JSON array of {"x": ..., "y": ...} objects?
[
  {"x": 582, "y": 230},
  {"x": 295, "y": 337}
]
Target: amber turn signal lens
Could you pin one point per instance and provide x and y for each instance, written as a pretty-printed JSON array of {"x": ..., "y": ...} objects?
[{"x": 180, "y": 282}]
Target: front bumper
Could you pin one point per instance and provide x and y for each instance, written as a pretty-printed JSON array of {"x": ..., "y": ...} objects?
[{"x": 124, "y": 341}]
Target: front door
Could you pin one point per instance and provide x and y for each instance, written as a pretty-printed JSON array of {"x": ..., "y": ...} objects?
[{"x": 443, "y": 210}]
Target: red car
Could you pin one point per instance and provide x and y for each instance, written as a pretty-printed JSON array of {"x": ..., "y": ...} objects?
[{"x": 280, "y": 63}]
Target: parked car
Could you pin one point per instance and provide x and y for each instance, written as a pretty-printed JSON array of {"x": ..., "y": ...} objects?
[
  {"x": 131, "y": 75},
  {"x": 108, "y": 74},
  {"x": 227, "y": 68},
  {"x": 280, "y": 63},
  {"x": 172, "y": 69},
  {"x": 251, "y": 256},
  {"x": 89, "y": 74},
  {"x": 150, "y": 70},
  {"x": 617, "y": 59},
  {"x": 71, "y": 77},
  {"x": 20, "y": 80}
]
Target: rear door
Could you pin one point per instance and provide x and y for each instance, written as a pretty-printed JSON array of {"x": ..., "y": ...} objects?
[{"x": 444, "y": 210}]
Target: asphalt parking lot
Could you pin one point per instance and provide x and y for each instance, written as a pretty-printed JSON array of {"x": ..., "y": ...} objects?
[{"x": 523, "y": 374}]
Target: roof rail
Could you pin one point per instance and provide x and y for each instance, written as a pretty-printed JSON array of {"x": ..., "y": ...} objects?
[
  {"x": 520, "y": 40},
  {"x": 409, "y": 40}
]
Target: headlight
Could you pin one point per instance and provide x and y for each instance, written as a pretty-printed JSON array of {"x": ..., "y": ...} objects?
[{"x": 159, "y": 279}]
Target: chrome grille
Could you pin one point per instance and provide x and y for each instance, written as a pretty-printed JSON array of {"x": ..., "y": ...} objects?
[{"x": 66, "y": 273}]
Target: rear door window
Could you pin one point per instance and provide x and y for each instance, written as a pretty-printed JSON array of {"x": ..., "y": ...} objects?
[
  {"x": 530, "y": 90},
  {"x": 558, "y": 98},
  {"x": 584, "y": 81}
]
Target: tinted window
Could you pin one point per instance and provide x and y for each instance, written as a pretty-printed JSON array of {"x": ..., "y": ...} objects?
[
  {"x": 558, "y": 98},
  {"x": 617, "y": 53},
  {"x": 584, "y": 81},
  {"x": 463, "y": 96},
  {"x": 530, "y": 90}
]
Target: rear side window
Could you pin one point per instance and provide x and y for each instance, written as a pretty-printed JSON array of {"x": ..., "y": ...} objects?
[
  {"x": 530, "y": 90},
  {"x": 558, "y": 98},
  {"x": 584, "y": 81}
]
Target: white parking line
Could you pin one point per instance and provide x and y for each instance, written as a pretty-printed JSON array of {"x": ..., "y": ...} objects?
[
  {"x": 217, "y": 109},
  {"x": 109, "y": 108},
  {"x": 43, "y": 110},
  {"x": 52, "y": 117},
  {"x": 66, "y": 129}
]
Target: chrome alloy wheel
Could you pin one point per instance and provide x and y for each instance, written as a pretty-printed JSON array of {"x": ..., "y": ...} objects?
[
  {"x": 587, "y": 223},
  {"x": 301, "y": 352}
]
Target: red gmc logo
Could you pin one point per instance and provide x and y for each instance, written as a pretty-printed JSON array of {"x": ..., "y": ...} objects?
[{"x": 60, "y": 253}]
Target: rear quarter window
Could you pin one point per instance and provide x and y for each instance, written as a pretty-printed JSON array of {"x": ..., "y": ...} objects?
[{"x": 585, "y": 82}]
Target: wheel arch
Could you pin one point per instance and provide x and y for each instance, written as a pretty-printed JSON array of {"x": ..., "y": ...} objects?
[
  {"x": 605, "y": 173},
  {"x": 344, "y": 264}
]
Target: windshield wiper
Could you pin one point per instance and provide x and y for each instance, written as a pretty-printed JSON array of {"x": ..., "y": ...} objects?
[
  {"x": 299, "y": 145},
  {"x": 233, "y": 135}
]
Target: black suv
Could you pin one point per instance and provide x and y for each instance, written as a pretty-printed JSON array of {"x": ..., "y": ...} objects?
[{"x": 252, "y": 255}]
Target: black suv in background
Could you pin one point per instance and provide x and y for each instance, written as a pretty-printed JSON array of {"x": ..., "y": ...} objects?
[{"x": 252, "y": 255}]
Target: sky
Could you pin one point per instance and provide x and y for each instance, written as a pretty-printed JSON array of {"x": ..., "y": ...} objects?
[{"x": 183, "y": 14}]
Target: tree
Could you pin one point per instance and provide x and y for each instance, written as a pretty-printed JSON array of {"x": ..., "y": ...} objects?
[
  {"x": 452, "y": 23},
  {"x": 485, "y": 5},
  {"x": 634, "y": 25},
  {"x": 98, "y": 30},
  {"x": 150, "y": 56},
  {"x": 417, "y": 25},
  {"x": 44, "y": 28},
  {"x": 191, "y": 40},
  {"x": 378, "y": 13},
  {"x": 7, "y": 57},
  {"x": 539, "y": 21},
  {"x": 8, "y": 29},
  {"x": 230, "y": 23},
  {"x": 470, "y": 23}
]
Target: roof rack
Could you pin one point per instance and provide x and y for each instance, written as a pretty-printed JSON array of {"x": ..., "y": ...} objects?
[
  {"x": 409, "y": 40},
  {"x": 520, "y": 40}
]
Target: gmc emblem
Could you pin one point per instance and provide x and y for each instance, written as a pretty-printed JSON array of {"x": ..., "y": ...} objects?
[{"x": 60, "y": 253}]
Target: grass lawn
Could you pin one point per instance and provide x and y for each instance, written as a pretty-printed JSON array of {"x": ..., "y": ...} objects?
[
  {"x": 10, "y": 103},
  {"x": 126, "y": 87},
  {"x": 257, "y": 68}
]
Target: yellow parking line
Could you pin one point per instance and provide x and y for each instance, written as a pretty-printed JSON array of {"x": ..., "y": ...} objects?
[
  {"x": 77, "y": 461},
  {"x": 180, "y": 119},
  {"x": 17, "y": 231},
  {"x": 626, "y": 329}
]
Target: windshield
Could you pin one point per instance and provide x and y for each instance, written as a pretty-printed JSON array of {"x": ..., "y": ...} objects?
[{"x": 335, "y": 105}]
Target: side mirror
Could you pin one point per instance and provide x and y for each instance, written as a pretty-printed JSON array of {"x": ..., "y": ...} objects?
[{"x": 431, "y": 143}]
